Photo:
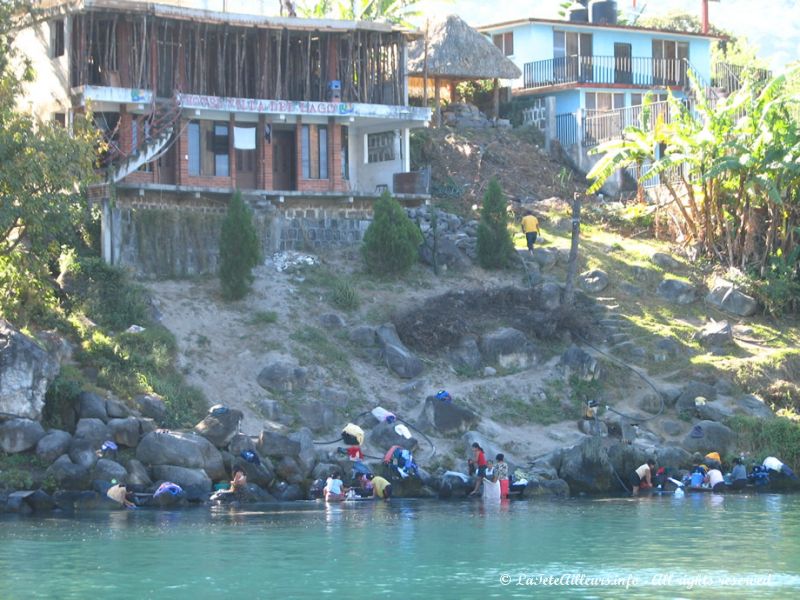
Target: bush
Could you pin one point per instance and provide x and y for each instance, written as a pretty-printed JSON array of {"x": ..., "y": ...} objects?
[
  {"x": 345, "y": 296},
  {"x": 392, "y": 240},
  {"x": 238, "y": 250},
  {"x": 495, "y": 247},
  {"x": 768, "y": 437},
  {"x": 62, "y": 397}
]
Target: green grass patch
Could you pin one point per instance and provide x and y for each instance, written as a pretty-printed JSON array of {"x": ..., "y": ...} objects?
[
  {"x": 315, "y": 347},
  {"x": 17, "y": 471},
  {"x": 768, "y": 437},
  {"x": 264, "y": 317}
]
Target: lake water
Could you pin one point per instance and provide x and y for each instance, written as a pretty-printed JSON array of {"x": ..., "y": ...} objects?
[{"x": 700, "y": 546}]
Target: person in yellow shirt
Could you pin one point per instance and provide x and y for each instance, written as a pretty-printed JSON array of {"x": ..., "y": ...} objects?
[
  {"x": 530, "y": 227},
  {"x": 381, "y": 488}
]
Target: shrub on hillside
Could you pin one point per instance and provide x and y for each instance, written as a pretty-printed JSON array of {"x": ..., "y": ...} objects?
[
  {"x": 391, "y": 243},
  {"x": 238, "y": 249},
  {"x": 495, "y": 247}
]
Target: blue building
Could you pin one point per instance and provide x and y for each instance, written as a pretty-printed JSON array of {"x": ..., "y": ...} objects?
[{"x": 589, "y": 61}]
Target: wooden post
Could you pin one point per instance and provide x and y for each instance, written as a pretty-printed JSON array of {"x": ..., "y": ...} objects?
[
  {"x": 572, "y": 265},
  {"x": 425, "y": 69},
  {"x": 436, "y": 100},
  {"x": 496, "y": 99},
  {"x": 453, "y": 91}
]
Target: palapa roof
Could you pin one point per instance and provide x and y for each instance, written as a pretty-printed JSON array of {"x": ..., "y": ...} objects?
[{"x": 457, "y": 51}]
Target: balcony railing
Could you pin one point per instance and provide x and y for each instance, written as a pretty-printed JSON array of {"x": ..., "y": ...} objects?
[
  {"x": 636, "y": 71},
  {"x": 730, "y": 78}
]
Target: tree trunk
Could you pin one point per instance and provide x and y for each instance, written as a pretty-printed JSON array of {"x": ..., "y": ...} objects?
[{"x": 572, "y": 265}]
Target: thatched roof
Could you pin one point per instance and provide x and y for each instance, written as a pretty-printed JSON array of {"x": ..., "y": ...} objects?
[{"x": 457, "y": 51}]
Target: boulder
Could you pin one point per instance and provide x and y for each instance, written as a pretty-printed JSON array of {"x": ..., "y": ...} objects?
[
  {"x": 151, "y": 406},
  {"x": 651, "y": 403},
  {"x": 716, "y": 334},
  {"x": 594, "y": 281},
  {"x": 402, "y": 361},
  {"x": 685, "y": 401},
  {"x": 576, "y": 361},
  {"x": 714, "y": 410},
  {"x": 593, "y": 427},
  {"x": 666, "y": 262},
  {"x": 26, "y": 371},
  {"x": 286, "y": 492},
  {"x": 363, "y": 336},
  {"x": 319, "y": 416},
  {"x": 182, "y": 450},
  {"x": 138, "y": 477},
  {"x": 503, "y": 342},
  {"x": 307, "y": 456},
  {"x": 586, "y": 467},
  {"x": 19, "y": 435},
  {"x": 240, "y": 443},
  {"x": 220, "y": 425},
  {"x": 447, "y": 417},
  {"x": 724, "y": 296},
  {"x": 281, "y": 375},
  {"x": 116, "y": 409},
  {"x": 753, "y": 406},
  {"x": 556, "y": 488},
  {"x": 92, "y": 406},
  {"x": 183, "y": 476},
  {"x": 384, "y": 436},
  {"x": 54, "y": 443},
  {"x": 545, "y": 257},
  {"x": 259, "y": 474},
  {"x": 624, "y": 458},
  {"x": 323, "y": 470},
  {"x": 676, "y": 291},
  {"x": 710, "y": 436},
  {"x": 673, "y": 457},
  {"x": 272, "y": 443},
  {"x": 671, "y": 428},
  {"x": 106, "y": 470},
  {"x": 667, "y": 348},
  {"x": 72, "y": 500},
  {"x": 93, "y": 431},
  {"x": 82, "y": 452},
  {"x": 331, "y": 321},
  {"x": 125, "y": 432},
  {"x": 39, "y": 501},
  {"x": 548, "y": 296},
  {"x": 67, "y": 474},
  {"x": 289, "y": 470},
  {"x": 466, "y": 357},
  {"x": 448, "y": 254}
]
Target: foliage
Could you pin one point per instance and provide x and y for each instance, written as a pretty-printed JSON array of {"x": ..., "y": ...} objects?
[
  {"x": 392, "y": 11},
  {"x": 238, "y": 249},
  {"x": 391, "y": 243},
  {"x": 345, "y": 296},
  {"x": 264, "y": 317},
  {"x": 768, "y": 437},
  {"x": 423, "y": 148},
  {"x": 732, "y": 168},
  {"x": 44, "y": 170},
  {"x": 495, "y": 246},
  {"x": 62, "y": 396}
]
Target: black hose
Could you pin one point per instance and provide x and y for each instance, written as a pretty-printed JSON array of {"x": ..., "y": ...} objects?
[
  {"x": 338, "y": 439},
  {"x": 427, "y": 439}
]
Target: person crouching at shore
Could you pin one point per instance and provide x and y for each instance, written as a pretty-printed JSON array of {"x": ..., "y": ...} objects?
[
  {"x": 642, "y": 477},
  {"x": 334, "y": 490}
]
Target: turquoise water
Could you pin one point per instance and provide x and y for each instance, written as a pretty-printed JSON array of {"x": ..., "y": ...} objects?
[{"x": 701, "y": 546}]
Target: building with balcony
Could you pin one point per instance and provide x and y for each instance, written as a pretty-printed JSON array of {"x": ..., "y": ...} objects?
[{"x": 309, "y": 118}]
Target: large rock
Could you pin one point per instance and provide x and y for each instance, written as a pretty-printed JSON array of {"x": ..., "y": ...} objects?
[
  {"x": 363, "y": 336},
  {"x": 82, "y": 452},
  {"x": 92, "y": 406},
  {"x": 182, "y": 450},
  {"x": 384, "y": 436},
  {"x": 151, "y": 406},
  {"x": 68, "y": 475},
  {"x": 398, "y": 358},
  {"x": 586, "y": 467},
  {"x": 331, "y": 321},
  {"x": 116, "y": 409},
  {"x": 506, "y": 346},
  {"x": 686, "y": 400},
  {"x": 665, "y": 261},
  {"x": 19, "y": 435},
  {"x": 753, "y": 406},
  {"x": 576, "y": 361},
  {"x": 548, "y": 296},
  {"x": 716, "y": 334},
  {"x": 26, "y": 371},
  {"x": 545, "y": 257},
  {"x": 676, "y": 291},
  {"x": 272, "y": 443},
  {"x": 183, "y": 476},
  {"x": 289, "y": 470},
  {"x": 725, "y": 296},
  {"x": 53, "y": 444},
  {"x": 93, "y": 431},
  {"x": 466, "y": 357},
  {"x": 715, "y": 410},
  {"x": 307, "y": 456},
  {"x": 106, "y": 470},
  {"x": 594, "y": 281},
  {"x": 220, "y": 425},
  {"x": 319, "y": 416},
  {"x": 673, "y": 458},
  {"x": 447, "y": 417},
  {"x": 138, "y": 477},
  {"x": 282, "y": 375},
  {"x": 448, "y": 254},
  {"x": 710, "y": 436},
  {"x": 286, "y": 492},
  {"x": 125, "y": 432}
]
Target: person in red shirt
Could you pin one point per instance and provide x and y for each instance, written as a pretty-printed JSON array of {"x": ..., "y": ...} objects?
[{"x": 480, "y": 462}]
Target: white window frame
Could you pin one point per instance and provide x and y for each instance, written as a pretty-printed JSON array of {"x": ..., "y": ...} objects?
[{"x": 379, "y": 147}]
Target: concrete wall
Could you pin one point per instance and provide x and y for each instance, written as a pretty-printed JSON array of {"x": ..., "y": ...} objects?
[
  {"x": 371, "y": 175},
  {"x": 167, "y": 236},
  {"x": 48, "y": 93}
]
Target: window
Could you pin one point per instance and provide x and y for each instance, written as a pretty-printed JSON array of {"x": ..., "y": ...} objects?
[
  {"x": 220, "y": 149},
  {"x": 670, "y": 62},
  {"x": 638, "y": 99},
  {"x": 194, "y": 148},
  {"x": 314, "y": 151},
  {"x": 572, "y": 56},
  {"x": 60, "y": 119},
  {"x": 56, "y": 38},
  {"x": 604, "y": 101},
  {"x": 345, "y": 153},
  {"x": 504, "y": 41},
  {"x": 380, "y": 146}
]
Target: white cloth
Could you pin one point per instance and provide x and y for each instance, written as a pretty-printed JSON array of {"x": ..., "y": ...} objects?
[
  {"x": 244, "y": 138},
  {"x": 491, "y": 491},
  {"x": 773, "y": 463}
]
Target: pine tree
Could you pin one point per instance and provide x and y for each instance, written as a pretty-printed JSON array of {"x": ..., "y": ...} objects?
[
  {"x": 238, "y": 249},
  {"x": 391, "y": 243},
  {"x": 495, "y": 247}
]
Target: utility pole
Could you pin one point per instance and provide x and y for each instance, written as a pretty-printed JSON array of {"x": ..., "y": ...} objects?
[{"x": 572, "y": 265}]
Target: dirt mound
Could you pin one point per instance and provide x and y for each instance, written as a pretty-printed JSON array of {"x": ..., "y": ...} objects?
[
  {"x": 464, "y": 161},
  {"x": 443, "y": 320}
]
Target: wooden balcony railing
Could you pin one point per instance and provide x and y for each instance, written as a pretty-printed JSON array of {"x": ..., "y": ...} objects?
[{"x": 637, "y": 71}]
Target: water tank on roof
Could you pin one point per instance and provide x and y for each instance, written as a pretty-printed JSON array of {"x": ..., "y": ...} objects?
[
  {"x": 578, "y": 13},
  {"x": 603, "y": 12}
]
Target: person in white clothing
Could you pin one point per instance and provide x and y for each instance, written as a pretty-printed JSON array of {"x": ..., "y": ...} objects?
[
  {"x": 715, "y": 480},
  {"x": 334, "y": 490}
]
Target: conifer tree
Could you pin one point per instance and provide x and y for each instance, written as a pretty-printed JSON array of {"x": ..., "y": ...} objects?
[
  {"x": 238, "y": 249},
  {"x": 495, "y": 247},
  {"x": 391, "y": 243}
]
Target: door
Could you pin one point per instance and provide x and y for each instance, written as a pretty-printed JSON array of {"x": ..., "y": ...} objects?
[
  {"x": 283, "y": 159},
  {"x": 623, "y": 69},
  {"x": 572, "y": 57}
]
